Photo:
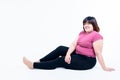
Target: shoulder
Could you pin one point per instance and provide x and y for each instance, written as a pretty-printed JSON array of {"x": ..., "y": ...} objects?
[
  {"x": 96, "y": 36},
  {"x": 82, "y": 32},
  {"x": 96, "y": 33}
]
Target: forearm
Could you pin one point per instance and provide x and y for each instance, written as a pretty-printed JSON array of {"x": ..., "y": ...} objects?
[
  {"x": 72, "y": 46},
  {"x": 98, "y": 50},
  {"x": 71, "y": 49},
  {"x": 101, "y": 61}
]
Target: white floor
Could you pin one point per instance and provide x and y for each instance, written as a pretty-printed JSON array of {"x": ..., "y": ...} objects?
[
  {"x": 14, "y": 69},
  {"x": 22, "y": 73}
]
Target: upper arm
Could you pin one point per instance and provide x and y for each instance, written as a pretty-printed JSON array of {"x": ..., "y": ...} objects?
[
  {"x": 75, "y": 41},
  {"x": 98, "y": 45}
]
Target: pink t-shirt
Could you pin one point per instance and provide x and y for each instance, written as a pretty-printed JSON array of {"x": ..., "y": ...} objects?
[{"x": 85, "y": 43}]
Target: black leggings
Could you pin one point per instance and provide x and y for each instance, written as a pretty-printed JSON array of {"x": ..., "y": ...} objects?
[{"x": 56, "y": 59}]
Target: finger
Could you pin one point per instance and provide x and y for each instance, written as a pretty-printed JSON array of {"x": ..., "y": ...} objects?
[
  {"x": 69, "y": 61},
  {"x": 112, "y": 69}
]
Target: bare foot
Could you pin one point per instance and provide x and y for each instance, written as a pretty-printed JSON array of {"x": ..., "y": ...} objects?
[{"x": 28, "y": 63}]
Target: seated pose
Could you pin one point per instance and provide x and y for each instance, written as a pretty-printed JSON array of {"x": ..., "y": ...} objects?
[{"x": 81, "y": 55}]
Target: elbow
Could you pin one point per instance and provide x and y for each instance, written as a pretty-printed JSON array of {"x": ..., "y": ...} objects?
[
  {"x": 98, "y": 54},
  {"x": 73, "y": 44}
]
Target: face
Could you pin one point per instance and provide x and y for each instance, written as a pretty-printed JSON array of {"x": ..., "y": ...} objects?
[{"x": 88, "y": 27}]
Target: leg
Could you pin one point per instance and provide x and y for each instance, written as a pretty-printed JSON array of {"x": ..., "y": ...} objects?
[
  {"x": 41, "y": 65},
  {"x": 77, "y": 63},
  {"x": 52, "y": 64},
  {"x": 80, "y": 62},
  {"x": 59, "y": 51}
]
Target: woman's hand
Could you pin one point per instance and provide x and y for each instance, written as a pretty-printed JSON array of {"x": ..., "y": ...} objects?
[
  {"x": 68, "y": 59},
  {"x": 108, "y": 69}
]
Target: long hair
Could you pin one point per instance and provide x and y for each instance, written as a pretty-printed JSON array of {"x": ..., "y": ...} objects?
[{"x": 92, "y": 21}]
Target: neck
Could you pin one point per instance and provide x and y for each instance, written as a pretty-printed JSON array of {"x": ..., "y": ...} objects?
[{"x": 88, "y": 32}]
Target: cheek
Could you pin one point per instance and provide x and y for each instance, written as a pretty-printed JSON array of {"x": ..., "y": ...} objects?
[{"x": 91, "y": 27}]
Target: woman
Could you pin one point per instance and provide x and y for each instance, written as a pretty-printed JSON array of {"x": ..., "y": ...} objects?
[{"x": 81, "y": 55}]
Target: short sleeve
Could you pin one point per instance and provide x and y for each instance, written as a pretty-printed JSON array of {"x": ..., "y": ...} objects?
[
  {"x": 81, "y": 32},
  {"x": 97, "y": 36}
]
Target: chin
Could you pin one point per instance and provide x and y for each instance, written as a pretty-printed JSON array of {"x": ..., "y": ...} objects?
[{"x": 88, "y": 31}]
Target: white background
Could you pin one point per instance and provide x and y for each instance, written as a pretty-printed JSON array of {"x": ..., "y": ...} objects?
[{"x": 33, "y": 28}]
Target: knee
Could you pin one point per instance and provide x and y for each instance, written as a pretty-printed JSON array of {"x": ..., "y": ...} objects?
[
  {"x": 61, "y": 47},
  {"x": 62, "y": 50}
]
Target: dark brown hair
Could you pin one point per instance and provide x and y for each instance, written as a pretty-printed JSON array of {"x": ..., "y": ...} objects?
[{"x": 92, "y": 21}]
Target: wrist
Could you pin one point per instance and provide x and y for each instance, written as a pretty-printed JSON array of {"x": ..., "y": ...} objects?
[
  {"x": 104, "y": 68},
  {"x": 68, "y": 54}
]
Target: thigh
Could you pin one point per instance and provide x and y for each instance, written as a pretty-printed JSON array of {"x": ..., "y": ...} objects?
[
  {"x": 79, "y": 63},
  {"x": 59, "y": 51}
]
